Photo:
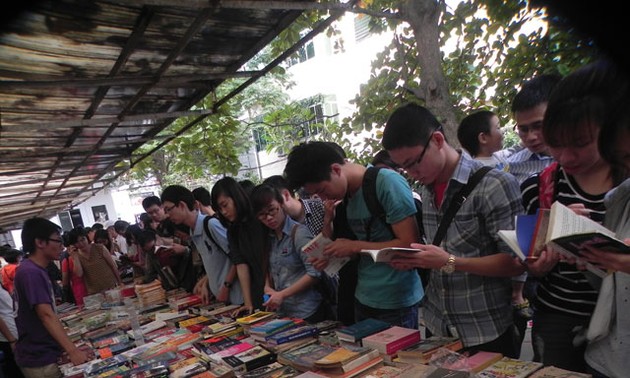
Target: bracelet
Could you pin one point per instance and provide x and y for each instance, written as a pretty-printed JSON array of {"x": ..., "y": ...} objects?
[{"x": 227, "y": 284}]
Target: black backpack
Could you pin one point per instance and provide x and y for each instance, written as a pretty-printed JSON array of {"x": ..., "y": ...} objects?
[{"x": 375, "y": 207}]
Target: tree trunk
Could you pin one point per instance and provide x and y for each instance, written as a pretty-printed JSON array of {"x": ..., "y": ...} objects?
[{"x": 424, "y": 16}]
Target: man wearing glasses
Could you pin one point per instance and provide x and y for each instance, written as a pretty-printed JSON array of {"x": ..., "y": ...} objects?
[
  {"x": 529, "y": 107},
  {"x": 41, "y": 336},
  {"x": 469, "y": 291}
]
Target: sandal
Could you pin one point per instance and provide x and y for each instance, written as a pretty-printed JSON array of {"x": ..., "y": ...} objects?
[{"x": 523, "y": 310}]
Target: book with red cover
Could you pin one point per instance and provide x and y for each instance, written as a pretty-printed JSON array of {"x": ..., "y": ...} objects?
[
  {"x": 482, "y": 360},
  {"x": 392, "y": 339}
]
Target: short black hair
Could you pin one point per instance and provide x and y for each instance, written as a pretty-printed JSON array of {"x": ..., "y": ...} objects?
[
  {"x": 471, "y": 126},
  {"x": 534, "y": 92},
  {"x": 37, "y": 228},
  {"x": 150, "y": 201},
  {"x": 132, "y": 234},
  {"x": 382, "y": 157},
  {"x": 247, "y": 185},
  {"x": 410, "y": 125},
  {"x": 177, "y": 194},
  {"x": 262, "y": 195},
  {"x": 120, "y": 226},
  {"x": 278, "y": 182},
  {"x": 311, "y": 163},
  {"x": 202, "y": 195},
  {"x": 97, "y": 226},
  {"x": 75, "y": 234},
  {"x": 101, "y": 234},
  {"x": 12, "y": 255},
  {"x": 145, "y": 236},
  {"x": 145, "y": 218}
]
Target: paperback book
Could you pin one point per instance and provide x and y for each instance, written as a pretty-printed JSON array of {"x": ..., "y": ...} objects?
[
  {"x": 391, "y": 340},
  {"x": 315, "y": 249},
  {"x": 386, "y": 254},
  {"x": 510, "y": 368},
  {"x": 361, "y": 329}
]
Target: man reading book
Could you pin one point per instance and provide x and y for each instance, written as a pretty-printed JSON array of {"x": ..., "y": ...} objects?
[
  {"x": 382, "y": 292},
  {"x": 469, "y": 291}
]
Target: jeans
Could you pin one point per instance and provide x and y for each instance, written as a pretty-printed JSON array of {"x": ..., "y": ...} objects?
[
  {"x": 406, "y": 317},
  {"x": 553, "y": 337}
]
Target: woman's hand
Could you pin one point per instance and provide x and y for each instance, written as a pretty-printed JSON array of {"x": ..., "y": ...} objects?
[
  {"x": 275, "y": 299},
  {"x": 545, "y": 262}
]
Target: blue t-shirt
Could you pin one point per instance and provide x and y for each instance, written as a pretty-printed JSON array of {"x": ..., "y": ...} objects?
[
  {"x": 379, "y": 285},
  {"x": 35, "y": 347}
]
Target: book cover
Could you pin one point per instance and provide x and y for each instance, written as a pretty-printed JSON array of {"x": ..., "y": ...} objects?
[
  {"x": 421, "y": 351},
  {"x": 377, "y": 361},
  {"x": 555, "y": 372},
  {"x": 255, "y": 317},
  {"x": 482, "y": 360},
  {"x": 509, "y": 368},
  {"x": 256, "y": 357},
  {"x": 386, "y": 254},
  {"x": 315, "y": 248},
  {"x": 303, "y": 358},
  {"x": 292, "y": 334},
  {"x": 230, "y": 351},
  {"x": 392, "y": 339},
  {"x": 359, "y": 330},
  {"x": 272, "y": 326},
  {"x": 348, "y": 364}
]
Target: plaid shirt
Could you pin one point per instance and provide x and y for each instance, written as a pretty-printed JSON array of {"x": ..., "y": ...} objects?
[
  {"x": 477, "y": 307},
  {"x": 525, "y": 163},
  {"x": 314, "y": 215}
]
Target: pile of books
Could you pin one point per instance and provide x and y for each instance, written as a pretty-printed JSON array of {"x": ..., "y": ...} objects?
[{"x": 150, "y": 294}]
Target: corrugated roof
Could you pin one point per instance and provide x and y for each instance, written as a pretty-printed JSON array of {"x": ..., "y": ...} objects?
[{"x": 83, "y": 84}]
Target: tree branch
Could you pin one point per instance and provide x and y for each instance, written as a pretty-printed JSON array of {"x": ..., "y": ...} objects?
[{"x": 292, "y": 123}]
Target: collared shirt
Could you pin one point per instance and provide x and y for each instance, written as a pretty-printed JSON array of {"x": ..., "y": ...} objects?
[
  {"x": 216, "y": 261},
  {"x": 287, "y": 264},
  {"x": 525, "y": 163},
  {"x": 477, "y": 307},
  {"x": 313, "y": 215}
]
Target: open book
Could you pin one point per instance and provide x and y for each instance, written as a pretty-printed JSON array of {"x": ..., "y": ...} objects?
[
  {"x": 386, "y": 254},
  {"x": 315, "y": 248},
  {"x": 565, "y": 232}
]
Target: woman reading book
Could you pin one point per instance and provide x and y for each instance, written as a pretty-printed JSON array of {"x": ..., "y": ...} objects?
[
  {"x": 291, "y": 279},
  {"x": 580, "y": 179},
  {"x": 607, "y": 351}
]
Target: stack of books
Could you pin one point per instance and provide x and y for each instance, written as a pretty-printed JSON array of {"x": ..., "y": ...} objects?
[
  {"x": 389, "y": 341},
  {"x": 150, "y": 294},
  {"x": 348, "y": 361},
  {"x": 421, "y": 352},
  {"x": 357, "y": 331}
]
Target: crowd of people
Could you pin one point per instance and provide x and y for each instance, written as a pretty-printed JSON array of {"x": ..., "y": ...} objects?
[{"x": 242, "y": 244}]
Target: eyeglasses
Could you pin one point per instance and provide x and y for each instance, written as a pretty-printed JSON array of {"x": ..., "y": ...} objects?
[
  {"x": 168, "y": 209},
  {"x": 523, "y": 130},
  {"x": 417, "y": 162},
  {"x": 269, "y": 213},
  {"x": 55, "y": 240}
]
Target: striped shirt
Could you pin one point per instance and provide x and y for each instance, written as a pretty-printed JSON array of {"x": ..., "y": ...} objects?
[
  {"x": 478, "y": 307},
  {"x": 524, "y": 163},
  {"x": 565, "y": 290}
]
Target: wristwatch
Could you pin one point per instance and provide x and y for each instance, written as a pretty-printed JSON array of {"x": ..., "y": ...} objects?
[{"x": 449, "y": 267}]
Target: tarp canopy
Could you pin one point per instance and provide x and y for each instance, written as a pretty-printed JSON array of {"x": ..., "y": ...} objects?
[{"x": 84, "y": 84}]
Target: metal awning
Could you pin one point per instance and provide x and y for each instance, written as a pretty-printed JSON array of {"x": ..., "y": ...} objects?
[{"x": 83, "y": 84}]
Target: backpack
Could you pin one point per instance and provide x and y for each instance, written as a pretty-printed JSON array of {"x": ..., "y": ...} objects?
[
  {"x": 206, "y": 229},
  {"x": 376, "y": 209}
]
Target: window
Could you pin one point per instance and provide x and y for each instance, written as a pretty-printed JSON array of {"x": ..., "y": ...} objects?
[
  {"x": 306, "y": 52},
  {"x": 313, "y": 126},
  {"x": 361, "y": 27}
]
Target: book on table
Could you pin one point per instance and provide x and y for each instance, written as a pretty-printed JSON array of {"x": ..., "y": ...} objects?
[
  {"x": 361, "y": 329},
  {"x": 315, "y": 248},
  {"x": 391, "y": 340},
  {"x": 565, "y": 232},
  {"x": 422, "y": 351},
  {"x": 509, "y": 368},
  {"x": 345, "y": 359},
  {"x": 386, "y": 254},
  {"x": 304, "y": 357}
]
